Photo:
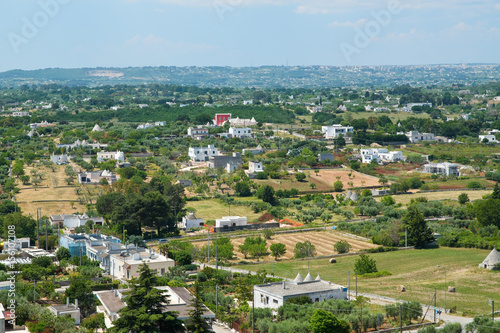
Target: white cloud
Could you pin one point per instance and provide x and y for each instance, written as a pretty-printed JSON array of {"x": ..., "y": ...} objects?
[{"x": 357, "y": 23}]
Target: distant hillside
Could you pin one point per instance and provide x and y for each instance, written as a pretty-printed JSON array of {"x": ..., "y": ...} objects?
[{"x": 262, "y": 77}]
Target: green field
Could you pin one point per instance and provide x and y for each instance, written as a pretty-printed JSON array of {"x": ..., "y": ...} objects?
[
  {"x": 417, "y": 270},
  {"x": 213, "y": 209},
  {"x": 394, "y": 116},
  {"x": 454, "y": 150},
  {"x": 446, "y": 195}
]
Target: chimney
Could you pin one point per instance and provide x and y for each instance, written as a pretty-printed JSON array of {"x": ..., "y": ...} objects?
[
  {"x": 284, "y": 285},
  {"x": 76, "y": 303},
  {"x": 67, "y": 302}
]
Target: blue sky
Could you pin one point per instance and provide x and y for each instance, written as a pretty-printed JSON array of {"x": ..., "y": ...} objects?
[{"x": 120, "y": 33}]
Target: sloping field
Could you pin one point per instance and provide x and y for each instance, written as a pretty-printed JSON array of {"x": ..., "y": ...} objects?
[{"x": 329, "y": 177}]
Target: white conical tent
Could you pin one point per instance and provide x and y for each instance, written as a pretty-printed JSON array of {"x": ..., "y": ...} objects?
[
  {"x": 298, "y": 278},
  {"x": 309, "y": 278},
  {"x": 491, "y": 260}
]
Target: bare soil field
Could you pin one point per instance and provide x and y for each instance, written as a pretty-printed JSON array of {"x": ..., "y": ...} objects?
[
  {"x": 329, "y": 177},
  {"x": 53, "y": 195},
  {"x": 323, "y": 240}
]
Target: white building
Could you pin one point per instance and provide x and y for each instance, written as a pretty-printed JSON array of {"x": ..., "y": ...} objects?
[
  {"x": 20, "y": 114},
  {"x": 491, "y": 260},
  {"x": 67, "y": 310},
  {"x": 230, "y": 221},
  {"x": 126, "y": 265},
  {"x": 160, "y": 123},
  {"x": 198, "y": 133},
  {"x": 106, "y": 155},
  {"x": 237, "y": 132},
  {"x": 380, "y": 155},
  {"x": 145, "y": 126},
  {"x": 448, "y": 169},
  {"x": 242, "y": 122},
  {"x": 315, "y": 108},
  {"x": 489, "y": 137},
  {"x": 97, "y": 128},
  {"x": 191, "y": 222},
  {"x": 255, "y": 167},
  {"x": 73, "y": 221},
  {"x": 274, "y": 295},
  {"x": 416, "y": 136},
  {"x": 333, "y": 132},
  {"x": 59, "y": 159},
  {"x": 202, "y": 154}
]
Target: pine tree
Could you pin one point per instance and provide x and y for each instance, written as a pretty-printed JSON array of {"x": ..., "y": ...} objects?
[
  {"x": 196, "y": 322},
  {"x": 144, "y": 312},
  {"x": 419, "y": 234}
]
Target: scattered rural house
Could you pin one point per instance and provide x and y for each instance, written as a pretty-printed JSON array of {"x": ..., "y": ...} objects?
[
  {"x": 94, "y": 177},
  {"x": 185, "y": 182},
  {"x": 254, "y": 151},
  {"x": 59, "y": 159},
  {"x": 488, "y": 138},
  {"x": 142, "y": 106},
  {"x": 74, "y": 221},
  {"x": 160, "y": 123},
  {"x": 221, "y": 119},
  {"x": 115, "y": 108},
  {"x": 315, "y": 108},
  {"x": 491, "y": 260},
  {"x": 274, "y": 295},
  {"x": 97, "y": 128},
  {"x": 248, "y": 102},
  {"x": 202, "y": 154},
  {"x": 221, "y": 161},
  {"x": 448, "y": 169},
  {"x": 83, "y": 143},
  {"x": 18, "y": 244},
  {"x": 243, "y": 122},
  {"x": 416, "y": 136},
  {"x": 253, "y": 169},
  {"x": 197, "y": 133},
  {"x": 191, "y": 221},
  {"x": 350, "y": 195},
  {"x": 105, "y": 155},
  {"x": 230, "y": 221},
  {"x": 42, "y": 124},
  {"x": 326, "y": 157},
  {"x": 333, "y": 132},
  {"x": 69, "y": 310},
  {"x": 240, "y": 132},
  {"x": 380, "y": 191},
  {"x": 180, "y": 301},
  {"x": 36, "y": 253},
  {"x": 409, "y": 106},
  {"x": 380, "y": 155},
  {"x": 145, "y": 126},
  {"x": 20, "y": 114}
]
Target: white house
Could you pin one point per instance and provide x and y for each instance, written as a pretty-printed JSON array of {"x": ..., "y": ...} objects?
[
  {"x": 315, "y": 108},
  {"x": 391, "y": 157},
  {"x": 237, "y": 132},
  {"x": 491, "y": 260},
  {"x": 67, "y": 310},
  {"x": 73, "y": 221},
  {"x": 255, "y": 167},
  {"x": 197, "y": 133},
  {"x": 191, "y": 222},
  {"x": 369, "y": 155},
  {"x": 94, "y": 177},
  {"x": 97, "y": 128},
  {"x": 145, "y": 126},
  {"x": 59, "y": 159},
  {"x": 230, "y": 221},
  {"x": 160, "y": 123},
  {"x": 201, "y": 154},
  {"x": 274, "y": 295},
  {"x": 242, "y": 122},
  {"x": 20, "y": 114},
  {"x": 448, "y": 169},
  {"x": 126, "y": 265},
  {"x": 106, "y": 155},
  {"x": 416, "y": 136},
  {"x": 333, "y": 132},
  {"x": 490, "y": 138}
]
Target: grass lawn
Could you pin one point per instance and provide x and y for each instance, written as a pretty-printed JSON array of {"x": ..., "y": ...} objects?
[
  {"x": 447, "y": 195},
  {"x": 394, "y": 116},
  {"x": 417, "y": 270},
  {"x": 213, "y": 209},
  {"x": 453, "y": 150}
]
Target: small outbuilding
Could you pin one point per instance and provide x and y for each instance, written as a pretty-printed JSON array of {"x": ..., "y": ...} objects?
[{"x": 491, "y": 260}]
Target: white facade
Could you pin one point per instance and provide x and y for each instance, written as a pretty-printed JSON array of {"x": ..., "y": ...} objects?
[
  {"x": 416, "y": 136},
  {"x": 333, "y": 132},
  {"x": 490, "y": 138},
  {"x": 126, "y": 265},
  {"x": 230, "y": 221},
  {"x": 203, "y": 153},
  {"x": 105, "y": 155},
  {"x": 315, "y": 108},
  {"x": 242, "y": 122},
  {"x": 74, "y": 221},
  {"x": 369, "y": 155},
  {"x": 20, "y": 114},
  {"x": 274, "y": 295},
  {"x": 238, "y": 132},
  {"x": 145, "y": 126},
  {"x": 255, "y": 167},
  {"x": 391, "y": 157},
  {"x": 448, "y": 169},
  {"x": 191, "y": 222},
  {"x": 59, "y": 159},
  {"x": 198, "y": 132}
]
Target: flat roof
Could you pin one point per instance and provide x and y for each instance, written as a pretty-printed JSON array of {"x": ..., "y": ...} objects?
[{"x": 297, "y": 288}]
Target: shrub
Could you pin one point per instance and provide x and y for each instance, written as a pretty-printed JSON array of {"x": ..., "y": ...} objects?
[{"x": 474, "y": 184}]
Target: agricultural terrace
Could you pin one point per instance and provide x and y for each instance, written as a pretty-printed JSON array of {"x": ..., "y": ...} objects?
[
  {"x": 330, "y": 176},
  {"x": 415, "y": 269},
  {"x": 431, "y": 196}
]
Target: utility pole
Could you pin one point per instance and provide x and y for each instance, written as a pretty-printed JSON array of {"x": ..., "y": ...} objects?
[
  {"x": 253, "y": 310},
  {"x": 356, "y": 285},
  {"x": 435, "y": 301},
  {"x": 401, "y": 318},
  {"x": 208, "y": 255},
  {"x": 38, "y": 217},
  {"x": 216, "y": 300},
  {"x": 216, "y": 259},
  {"x": 348, "y": 285},
  {"x": 406, "y": 238},
  {"x": 46, "y": 236}
]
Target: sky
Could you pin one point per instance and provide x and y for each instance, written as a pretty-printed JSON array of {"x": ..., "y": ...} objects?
[{"x": 121, "y": 33}]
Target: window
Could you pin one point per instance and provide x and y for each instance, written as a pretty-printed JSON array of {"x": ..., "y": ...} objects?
[
  {"x": 275, "y": 301},
  {"x": 316, "y": 300}
]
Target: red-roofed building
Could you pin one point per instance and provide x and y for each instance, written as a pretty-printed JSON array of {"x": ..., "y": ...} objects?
[{"x": 221, "y": 119}]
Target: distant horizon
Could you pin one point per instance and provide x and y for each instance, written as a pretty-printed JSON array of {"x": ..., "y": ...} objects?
[{"x": 255, "y": 66}]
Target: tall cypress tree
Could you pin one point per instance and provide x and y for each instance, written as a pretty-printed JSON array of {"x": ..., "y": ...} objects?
[
  {"x": 196, "y": 323},
  {"x": 144, "y": 312}
]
